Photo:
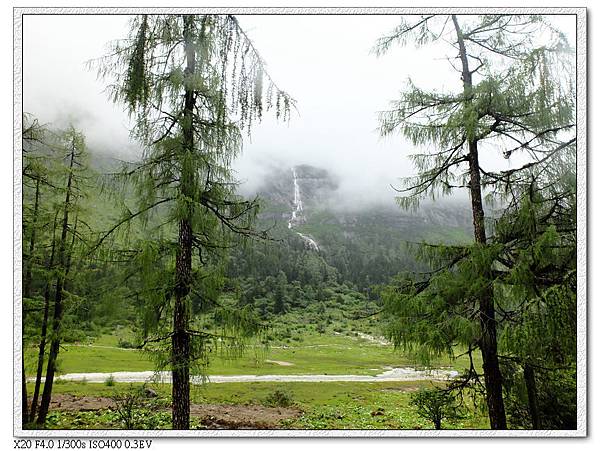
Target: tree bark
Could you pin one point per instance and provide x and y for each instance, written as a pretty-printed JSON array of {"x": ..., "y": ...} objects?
[
  {"x": 27, "y": 294},
  {"x": 24, "y": 400},
  {"x": 181, "y": 338},
  {"x": 529, "y": 375},
  {"x": 488, "y": 342},
  {"x": 43, "y": 333},
  {"x": 27, "y": 279},
  {"x": 58, "y": 296},
  {"x": 41, "y": 354}
]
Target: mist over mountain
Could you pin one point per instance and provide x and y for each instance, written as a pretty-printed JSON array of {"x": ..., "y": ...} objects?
[
  {"x": 328, "y": 204},
  {"x": 308, "y": 212},
  {"x": 324, "y": 202}
]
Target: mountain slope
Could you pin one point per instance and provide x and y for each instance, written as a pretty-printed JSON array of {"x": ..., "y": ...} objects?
[{"x": 304, "y": 208}]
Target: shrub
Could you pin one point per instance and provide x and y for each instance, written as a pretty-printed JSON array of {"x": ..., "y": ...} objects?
[
  {"x": 71, "y": 335},
  {"x": 134, "y": 410},
  {"x": 279, "y": 398},
  {"x": 126, "y": 344},
  {"x": 435, "y": 405},
  {"x": 110, "y": 381}
]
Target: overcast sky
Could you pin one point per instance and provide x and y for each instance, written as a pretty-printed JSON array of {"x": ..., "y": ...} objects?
[{"x": 324, "y": 62}]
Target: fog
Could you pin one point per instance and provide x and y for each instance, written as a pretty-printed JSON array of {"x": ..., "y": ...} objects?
[{"x": 324, "y": 62}]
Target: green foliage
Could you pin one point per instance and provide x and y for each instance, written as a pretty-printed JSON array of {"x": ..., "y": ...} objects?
[
  {"x": 517, "y": 95},
  {"x": 366, "y": 251},
  {"x": 107, "y": 419},
  {"x": 57, "y": 232},
  {"x": 193, "y": 84},
  {"x": 279, "y": 398},
  {"x": 73, "y": 335},
  {"x": 429, "y": 315},
  {"x": 435, "y": 405},
  {"x": 126, "y": 344},
  {"x": 335, "y": 405},
  {"x": 521, "y": 99},
  {"x": 530, "y": 263},
  {"x": 556, "y": 397},
  {"x": 149, "y": 68},
  {"x": 132, "y": 408}
]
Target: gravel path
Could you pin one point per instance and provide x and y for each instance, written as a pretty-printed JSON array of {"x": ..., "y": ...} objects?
[{"x": 391, "y": 375}]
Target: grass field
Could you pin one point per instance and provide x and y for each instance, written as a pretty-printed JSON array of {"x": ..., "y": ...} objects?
[
  {"x": 324, "y": 405},
  {"x": 333, "y": 405},
  {"x": 317, "y": 354}
]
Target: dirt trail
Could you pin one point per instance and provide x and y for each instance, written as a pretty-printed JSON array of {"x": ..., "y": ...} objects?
[{"x": 391, "y": 375}]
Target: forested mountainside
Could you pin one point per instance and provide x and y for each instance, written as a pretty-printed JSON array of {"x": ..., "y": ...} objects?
[{"x": 364, "y": 245}]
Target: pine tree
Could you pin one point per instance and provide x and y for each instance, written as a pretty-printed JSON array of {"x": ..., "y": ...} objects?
[
  {"x": 513, "y": 95},
  {"x": 194, "y": 84}
]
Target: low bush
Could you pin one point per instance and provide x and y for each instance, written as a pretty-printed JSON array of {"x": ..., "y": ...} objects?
[
  {"x": 279, "y": 398},
  {"x": 126, "y": 344}
]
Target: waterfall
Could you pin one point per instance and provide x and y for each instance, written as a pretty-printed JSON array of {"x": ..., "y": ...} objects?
[{"x": 298, "y": 216}]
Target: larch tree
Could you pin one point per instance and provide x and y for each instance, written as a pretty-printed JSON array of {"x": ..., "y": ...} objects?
[
  {"x": 34, "y": 179},
  {"x": 38, "y": 214},
  {"x": 40, "y": 172},
  {"x": 71, "y": 146},
  {"x": 193, "y": 84},
  {"x": 516, "y": 95},
  {"x": 536, "y": 293}
]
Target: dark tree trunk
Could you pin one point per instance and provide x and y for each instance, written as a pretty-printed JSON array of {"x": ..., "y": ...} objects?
[
  {"x": 41, "y": 354},
  {"x": 181, "y": 338},
  {"x": 24, "y": 401},
  {"x": 58, "y": 296},
  {"x": 437, "y": 424},
  {"x": 27, "y": 294},
  {"x": 491, "y": 366},
  {"x": 529, "y": 375},
  {"x": 43, "y": 333},
  {"x": 29, "y": 269},
  {"x": 488, "y": 342}
]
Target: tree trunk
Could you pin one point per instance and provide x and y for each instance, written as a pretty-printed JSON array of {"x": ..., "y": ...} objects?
[
  {"x": 181, "y": 338},
  {"x": 58, "y": 296},
  {"x": 41, "y": 354},
  {"x": 529, "y": 375},
  {"x": 24, "y": 401},
  {"x": 488, "y": 342},
  {"x": 43, "y": 333},
  {"x": 29, "y": 269},
  {"x": 27, "y": 294}
]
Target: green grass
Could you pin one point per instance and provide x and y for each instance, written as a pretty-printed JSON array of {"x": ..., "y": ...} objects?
[
  {"x": 86, "y": 359},
  {"x": 324, "y": 405},
  {"x": 316, "y": 354}
]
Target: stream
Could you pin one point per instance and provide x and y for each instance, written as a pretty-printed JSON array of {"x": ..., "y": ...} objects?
[{"x": 390, "y": 375}]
